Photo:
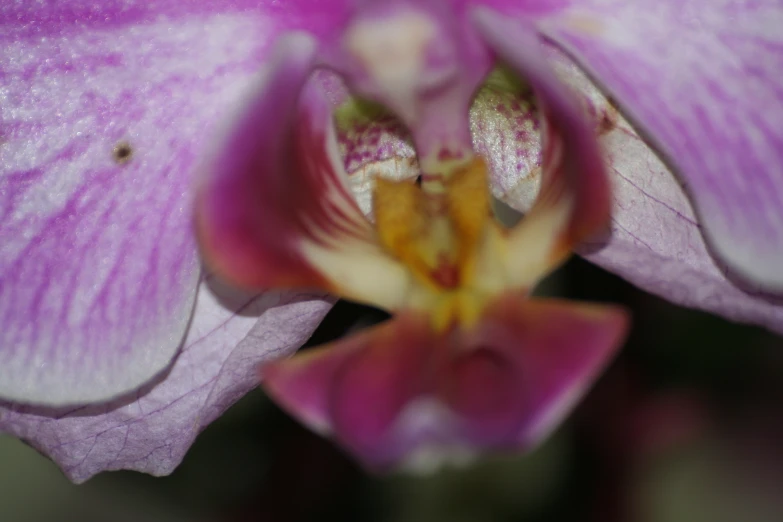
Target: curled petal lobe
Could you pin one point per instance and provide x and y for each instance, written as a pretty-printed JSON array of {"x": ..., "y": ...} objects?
[
  {"x": 302, "y": 383},
  {"x": 483, "y": 388},
  {"x": 241, "y": 238},
  {"x": 355, "y": 389},
  {"x": 370, "y": 392},
  {"x": 701, "y": 79},
  {"x": 274, "y": 207},
  {"x": 574, "y": 201},
  {"x": 557, "y": 349},
  {"x": 573, "y": 172}
]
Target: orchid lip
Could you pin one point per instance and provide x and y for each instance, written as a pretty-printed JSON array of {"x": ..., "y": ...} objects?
[{"x": 402, "y": 395}]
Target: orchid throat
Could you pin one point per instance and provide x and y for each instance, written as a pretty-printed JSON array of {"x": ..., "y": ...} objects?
[{"x": 275, "y": 210}]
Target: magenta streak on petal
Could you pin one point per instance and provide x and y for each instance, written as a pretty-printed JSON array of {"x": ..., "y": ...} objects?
[
  {"x": 701, "y": 79},
  {"x": 573, "y": 169},
  {"x": 63, "y": 17}
]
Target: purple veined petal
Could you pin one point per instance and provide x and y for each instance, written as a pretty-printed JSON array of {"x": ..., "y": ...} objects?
[
  {"x": 702, "y": 79},
  {"x": 105, "y": 113},
  {"x": 58, "y": 17},
  {"x": 655, "y": 241},
  {"x": 574, "y": 200},
  {"x": 274, "y": 207},
  {"x": 151, "y": 429}
]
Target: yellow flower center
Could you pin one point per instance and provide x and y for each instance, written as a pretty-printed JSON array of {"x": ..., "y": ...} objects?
[{"x": 439, "y": 234}]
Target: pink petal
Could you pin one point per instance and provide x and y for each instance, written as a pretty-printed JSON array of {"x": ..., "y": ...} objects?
[
  {"x": 151, "y": 429},
  {"x": 356, "y": 388},
  {"x": 303, "y": 383},
  {"x": 702, "y": 80},
  {"x": 98, "y": 270},
  {"x": 274, "y": 208},
  {"x": 483, "y": 386},
  {"x": 374, "y": 393},
  {"x": 400, "y": 394},
  {"x": 378, "y": 383},
  {"x": 557, "y": 349}
]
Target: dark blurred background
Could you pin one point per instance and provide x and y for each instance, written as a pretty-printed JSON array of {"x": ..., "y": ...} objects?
[{"x": 685, "y": 426}]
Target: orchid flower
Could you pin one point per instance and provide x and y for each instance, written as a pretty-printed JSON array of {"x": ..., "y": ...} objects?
[
  {"x": 108, "y": 108},
  {"x": 468, "y": 362}
]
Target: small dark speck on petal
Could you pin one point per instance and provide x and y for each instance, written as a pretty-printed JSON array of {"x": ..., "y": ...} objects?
[
  {"x": 608, "y": 120},
  {"x": 122, "y": 153}
]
